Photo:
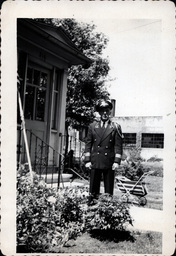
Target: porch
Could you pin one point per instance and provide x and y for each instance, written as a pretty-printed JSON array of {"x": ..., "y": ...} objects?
[
  {"x": 45, "y": 54},
  {"x": 56, "y": 168}
]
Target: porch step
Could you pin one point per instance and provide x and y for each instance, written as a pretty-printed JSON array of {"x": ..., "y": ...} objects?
[
  {"x": 50, "y": 170},
  {"x": 68, "y": 184},
  {"x": 53, "y": 178}
]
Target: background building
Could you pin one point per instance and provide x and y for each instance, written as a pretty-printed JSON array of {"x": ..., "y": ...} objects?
[{"x": 143, "y": 132}]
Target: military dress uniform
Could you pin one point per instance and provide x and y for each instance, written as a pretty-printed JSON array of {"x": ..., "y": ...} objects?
[{"x": 103, "y": 148}]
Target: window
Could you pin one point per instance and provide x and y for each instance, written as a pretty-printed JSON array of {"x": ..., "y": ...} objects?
[
  {"x": 35, "y": 95},
  {"x": 152, "y": 140},
  {"x": 129, "y": 138},
  {"x": 57, "y": 83}
]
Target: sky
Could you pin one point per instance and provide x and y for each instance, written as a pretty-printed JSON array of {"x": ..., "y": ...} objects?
[{"x": 135, "y": 53}]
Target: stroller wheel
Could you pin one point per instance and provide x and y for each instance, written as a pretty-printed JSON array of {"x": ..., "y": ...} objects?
[{"x": 142, "y": 201}]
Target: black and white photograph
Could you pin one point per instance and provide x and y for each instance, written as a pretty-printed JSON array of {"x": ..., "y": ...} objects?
[{"x": 88, "y": 127}]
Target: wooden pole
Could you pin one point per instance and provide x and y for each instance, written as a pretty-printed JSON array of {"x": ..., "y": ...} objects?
[{"x": 25, "y": 137}]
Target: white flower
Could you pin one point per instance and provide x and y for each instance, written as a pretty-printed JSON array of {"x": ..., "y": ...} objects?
[{"x": 51, "y": 199}]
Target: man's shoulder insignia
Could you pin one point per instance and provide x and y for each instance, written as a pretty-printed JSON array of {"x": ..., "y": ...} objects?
[{"x": 119, "y": 130}]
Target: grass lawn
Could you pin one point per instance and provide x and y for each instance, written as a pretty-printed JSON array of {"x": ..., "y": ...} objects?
[
  {"x": 117, "y": 242},
  {"x": 154, "y": 197}
]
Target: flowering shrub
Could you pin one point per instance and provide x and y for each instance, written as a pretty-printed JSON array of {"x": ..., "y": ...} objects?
[
  {"x": 46, "y": 218},
  {"x": 108, "y": 213}
]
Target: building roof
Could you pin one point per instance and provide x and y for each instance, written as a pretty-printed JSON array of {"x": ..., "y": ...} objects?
[{"x": 53, "y": 39}]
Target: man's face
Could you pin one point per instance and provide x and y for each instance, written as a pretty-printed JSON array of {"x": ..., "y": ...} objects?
[{"x": 105, "y": 113}]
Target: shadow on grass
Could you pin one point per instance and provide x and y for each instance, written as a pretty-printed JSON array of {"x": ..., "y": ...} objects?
[{"x": 112, "y": 235}]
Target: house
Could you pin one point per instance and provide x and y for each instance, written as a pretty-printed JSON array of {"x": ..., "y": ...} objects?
[
  {"x": 144, "y": 132},
  {"x": 44, "y": 55}
]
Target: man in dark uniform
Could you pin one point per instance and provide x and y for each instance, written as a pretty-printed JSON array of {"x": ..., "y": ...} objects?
[{"x": 103, "y": 149}]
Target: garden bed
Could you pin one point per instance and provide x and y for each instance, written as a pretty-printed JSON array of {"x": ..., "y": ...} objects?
[{"x": 49, "y": 221}]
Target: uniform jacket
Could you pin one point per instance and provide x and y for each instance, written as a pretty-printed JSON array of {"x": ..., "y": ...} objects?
[{"x": 104, "y": 145}]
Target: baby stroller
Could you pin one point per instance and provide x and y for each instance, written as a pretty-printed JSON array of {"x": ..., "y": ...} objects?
[{"x": 133, "y": 190}]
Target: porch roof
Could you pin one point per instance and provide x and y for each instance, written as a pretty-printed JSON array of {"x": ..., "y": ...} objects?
[{"x": 52, "y": 39}]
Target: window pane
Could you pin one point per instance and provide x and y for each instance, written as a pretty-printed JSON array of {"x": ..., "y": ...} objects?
[
  {"x": 150, "y": 140},
  {"x": 29, "y": 102},
  {"x": 29, "y": 75},
  {"x": 57, "y": 80},
  {"x": 36, "y": 77},
  {"x": 129, "y": 138},
  {"x": 54, "y": 112},
  {"x": 43, "y": 80},
  {"x": 40, "y": 104}
]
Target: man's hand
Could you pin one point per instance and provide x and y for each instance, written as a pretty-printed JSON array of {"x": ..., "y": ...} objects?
[
  {"x": 115, "y": 166},
  {"x": 88, "y": 165}
]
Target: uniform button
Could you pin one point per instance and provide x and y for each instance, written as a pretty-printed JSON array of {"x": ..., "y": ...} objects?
[
  {"x": 98, "y": 146},
  {"x": 98, "y": 153},
  {"x": 106, "y": 154},
  {"x": 110, "y": 140},
  {"x": 95, "y": 140}
]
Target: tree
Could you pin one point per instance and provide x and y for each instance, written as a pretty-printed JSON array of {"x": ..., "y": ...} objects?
[{"x": 85, "y": 84}]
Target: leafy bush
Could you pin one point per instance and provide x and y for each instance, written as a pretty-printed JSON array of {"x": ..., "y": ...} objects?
[
  {"x": 133, "y": 153},
  {"x": 108, "y": 214},
  {"x": 131, "y": 166},
  {"x": 132, "y": 171},
  {"x": 154, "y": 159},
  {"x": 155, "y": 166},
  {"x": 46, "y": 218}
]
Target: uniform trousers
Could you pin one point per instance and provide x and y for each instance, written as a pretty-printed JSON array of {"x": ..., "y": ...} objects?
[{"x": 95, "y": 179}]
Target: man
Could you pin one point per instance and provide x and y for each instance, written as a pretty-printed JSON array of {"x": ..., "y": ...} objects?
[{"x": 103, "y": 149}]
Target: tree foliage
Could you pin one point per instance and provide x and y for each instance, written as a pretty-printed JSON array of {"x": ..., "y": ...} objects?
[{"x": 85, "y": 84}]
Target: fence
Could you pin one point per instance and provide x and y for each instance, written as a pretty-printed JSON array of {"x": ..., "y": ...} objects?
[{"x": 48, "y": 163}]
